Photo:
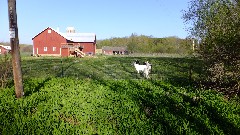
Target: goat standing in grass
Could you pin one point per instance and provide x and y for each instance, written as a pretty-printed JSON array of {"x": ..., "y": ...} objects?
[
  {"x": 148, "y": 65},
  {"x": 145, "y": 69}
]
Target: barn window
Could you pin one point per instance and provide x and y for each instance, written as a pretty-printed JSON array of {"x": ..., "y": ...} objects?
[
  {"x": 45, "y": 49},
  {"x": 54, "y": 49},
  {"x": 49, "y": 31}
]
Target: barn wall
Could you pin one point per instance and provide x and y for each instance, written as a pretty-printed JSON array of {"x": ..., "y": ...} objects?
[
  {"x": 111, "y": 52},
  {"x": 107, "y": 52},
  {"x": 3, "y": 50},
  {"x": 49, "y": 40},
  {"x": 89, "y": 48},
  {"x": 65, "y": 52}
]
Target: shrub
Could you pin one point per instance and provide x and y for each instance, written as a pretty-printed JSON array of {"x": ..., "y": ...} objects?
[
  {"x": 5, "y": 70},
  {"x": 216, "y": 25}
]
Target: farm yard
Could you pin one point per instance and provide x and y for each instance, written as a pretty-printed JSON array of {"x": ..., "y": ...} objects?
[{"x": 105, "y": 95}]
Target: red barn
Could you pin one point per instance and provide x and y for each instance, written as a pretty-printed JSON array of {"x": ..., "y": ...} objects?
[
  {"x": 51, "y": 42},
  {"x": 4, "y": 49}
]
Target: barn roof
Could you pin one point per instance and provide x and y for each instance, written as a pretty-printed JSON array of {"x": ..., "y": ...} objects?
[
  {"x": 74, "y": 37},
  {"x": 79, "y": 37}
]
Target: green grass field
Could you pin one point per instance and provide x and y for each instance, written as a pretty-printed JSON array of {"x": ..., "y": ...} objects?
[{"x": 105, "y": 95}]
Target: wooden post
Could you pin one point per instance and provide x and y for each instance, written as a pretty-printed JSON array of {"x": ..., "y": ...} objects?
[
  {"x": 193, "y": 44},
  {"x": 14, "y": 41}
]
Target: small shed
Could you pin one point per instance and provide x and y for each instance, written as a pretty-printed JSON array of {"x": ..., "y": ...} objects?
[{"x": 110, "y": 50}]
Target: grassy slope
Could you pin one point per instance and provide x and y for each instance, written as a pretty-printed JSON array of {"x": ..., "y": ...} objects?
[{"x": 105, "y": 95}]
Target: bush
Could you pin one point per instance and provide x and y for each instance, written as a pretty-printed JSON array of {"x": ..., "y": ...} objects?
[
  {"x": 216, "y": 26},
  {"x": 5, "y": 70}
]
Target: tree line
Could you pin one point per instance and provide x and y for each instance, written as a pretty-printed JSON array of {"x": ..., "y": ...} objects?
[{"x": 147, "y": 44}]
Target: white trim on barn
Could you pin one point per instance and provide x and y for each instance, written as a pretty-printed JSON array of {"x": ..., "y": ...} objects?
[
  {"x": 7, "y": 47},
  {"x": 60, "y": 51}
]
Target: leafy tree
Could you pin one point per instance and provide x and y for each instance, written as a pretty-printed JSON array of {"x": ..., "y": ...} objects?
[{"x": 216, "y": 23}]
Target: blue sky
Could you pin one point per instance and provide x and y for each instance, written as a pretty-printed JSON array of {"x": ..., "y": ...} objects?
[{"x": 106, "y": 18}]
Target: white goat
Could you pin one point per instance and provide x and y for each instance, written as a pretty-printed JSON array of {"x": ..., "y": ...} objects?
[
  {"x": 145, "y": 69},
  {"x": 149, "y": 66}
]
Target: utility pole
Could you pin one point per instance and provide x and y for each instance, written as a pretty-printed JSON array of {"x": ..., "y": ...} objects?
[{"x": 14, "y": 41}]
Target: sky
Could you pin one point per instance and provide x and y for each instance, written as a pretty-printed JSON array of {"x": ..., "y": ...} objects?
[{"x": 105, "y": 18}]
